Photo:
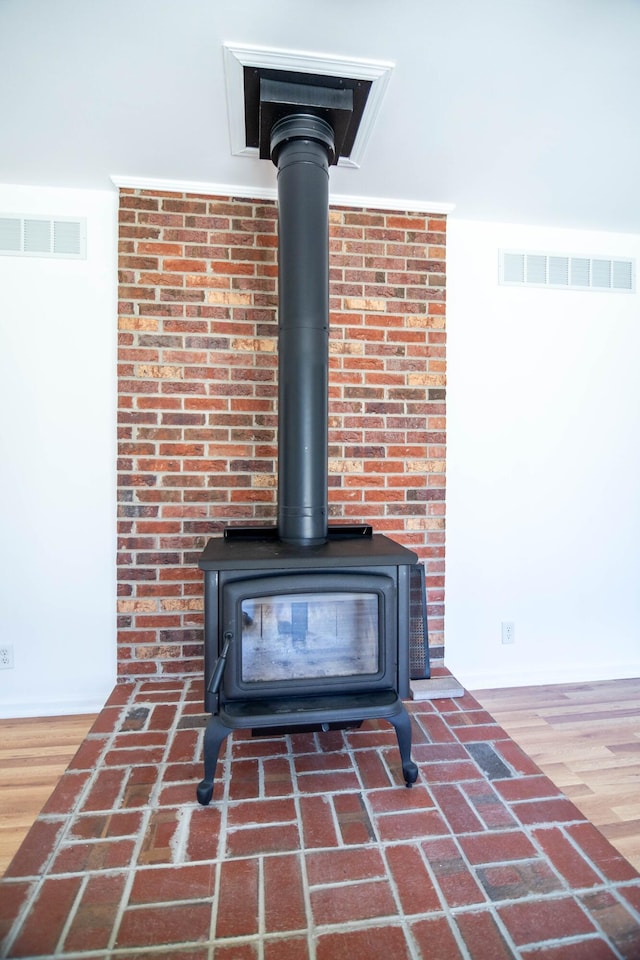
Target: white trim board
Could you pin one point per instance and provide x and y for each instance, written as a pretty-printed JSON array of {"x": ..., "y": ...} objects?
[{"x": 247, "y": 192}]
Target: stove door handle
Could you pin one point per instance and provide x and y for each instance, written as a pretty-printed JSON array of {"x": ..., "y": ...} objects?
[{"x": 216, "y": 676}]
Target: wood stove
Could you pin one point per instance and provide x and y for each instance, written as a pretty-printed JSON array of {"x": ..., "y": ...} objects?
[{"x": 306, "y": 624}]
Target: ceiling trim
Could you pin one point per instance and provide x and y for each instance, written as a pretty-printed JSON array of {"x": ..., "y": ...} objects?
[
  {"x": 237, "y": 56},
  {"x": 270, "y": 193}
]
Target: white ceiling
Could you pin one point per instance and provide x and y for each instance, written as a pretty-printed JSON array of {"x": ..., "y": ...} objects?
[{"x": 516, "y": 110}]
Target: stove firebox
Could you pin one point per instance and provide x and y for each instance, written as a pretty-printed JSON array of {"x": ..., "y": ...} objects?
[
  {"x": 306, "y": 624},
  {"x": 299, "y": 637}
]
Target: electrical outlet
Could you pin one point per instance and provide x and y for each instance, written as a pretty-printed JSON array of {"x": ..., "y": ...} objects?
[
  {"x": 508, "y": 631},
  {"x": 6, "y": 657}
]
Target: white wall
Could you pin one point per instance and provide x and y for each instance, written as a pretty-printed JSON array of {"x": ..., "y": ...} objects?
[
  {"x": 57, "y": 479},
  {"x": 543, "y": 466},
  {"x": 543, "y": 474}
]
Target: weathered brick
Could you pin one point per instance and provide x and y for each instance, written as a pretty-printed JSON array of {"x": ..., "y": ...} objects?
[{"x": 198, "y": 391}]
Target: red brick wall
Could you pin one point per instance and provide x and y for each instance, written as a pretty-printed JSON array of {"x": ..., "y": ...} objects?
[{"x": 198, "y": 389}]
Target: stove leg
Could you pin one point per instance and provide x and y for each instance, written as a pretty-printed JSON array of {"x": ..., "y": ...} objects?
[
  {"x": 214, "y": 736},
  {"x": 402, "y": 723}
]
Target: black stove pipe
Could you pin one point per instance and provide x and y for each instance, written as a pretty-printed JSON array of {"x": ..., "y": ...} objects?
[{"x": 302, "y": 148}]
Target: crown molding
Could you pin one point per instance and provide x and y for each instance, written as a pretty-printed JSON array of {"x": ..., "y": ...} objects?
[{"x": 246, "y": 192}]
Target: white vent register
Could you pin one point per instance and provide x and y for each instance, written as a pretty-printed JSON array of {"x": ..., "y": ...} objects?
[
  {"x": 567, "y": 272},
  {"x": 35, "y": 236}
]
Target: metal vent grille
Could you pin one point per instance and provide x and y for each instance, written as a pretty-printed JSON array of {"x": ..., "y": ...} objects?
[
  {"x": 419, "y": 663},
  {"x": 43, "y": 237},
  {"x": 564, "y": 271}
]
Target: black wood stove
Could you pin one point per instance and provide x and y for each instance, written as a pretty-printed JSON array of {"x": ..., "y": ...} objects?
[{"x": 306, "y": 623}]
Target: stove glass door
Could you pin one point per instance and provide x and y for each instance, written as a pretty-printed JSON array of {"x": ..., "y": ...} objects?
[{"x": 308, "y": 636}]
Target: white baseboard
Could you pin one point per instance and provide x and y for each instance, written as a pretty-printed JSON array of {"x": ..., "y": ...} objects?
[
  {"x": 52, "y": 708},
  {"x": 544, "y": 675}
]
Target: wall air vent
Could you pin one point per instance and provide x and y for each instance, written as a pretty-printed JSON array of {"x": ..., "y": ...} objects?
[
  {"x": 567, "y": 272},
  {"x": 34, "y": 236}
]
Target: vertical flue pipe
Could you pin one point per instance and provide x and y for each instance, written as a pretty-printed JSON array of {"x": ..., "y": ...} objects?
[{"x": 302, "y": 148}]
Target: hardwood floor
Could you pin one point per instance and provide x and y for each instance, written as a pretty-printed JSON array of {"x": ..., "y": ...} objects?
[
  {"x": 586, "y": 738},
  {"x": 34, "y": 753}
]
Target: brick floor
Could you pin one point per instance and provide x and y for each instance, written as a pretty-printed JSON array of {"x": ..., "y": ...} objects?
[{"x": 312, "y": 847}]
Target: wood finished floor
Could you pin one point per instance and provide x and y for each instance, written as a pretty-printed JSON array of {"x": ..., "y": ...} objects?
[
  {"x": 34, "y": 753},
  {"x": 586, "y": 738}
]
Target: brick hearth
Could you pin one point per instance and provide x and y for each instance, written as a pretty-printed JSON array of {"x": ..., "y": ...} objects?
[{"x": 311, "y": 847}]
